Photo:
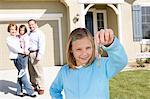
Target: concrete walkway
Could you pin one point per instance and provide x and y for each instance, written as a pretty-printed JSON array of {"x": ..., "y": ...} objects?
[{"x": 8, "y": 80}]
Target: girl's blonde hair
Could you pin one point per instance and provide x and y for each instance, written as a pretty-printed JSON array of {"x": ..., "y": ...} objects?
[{"x": 76, "y": 34}]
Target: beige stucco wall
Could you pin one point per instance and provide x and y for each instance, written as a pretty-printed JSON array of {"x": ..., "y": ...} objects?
[
  {"x": 74, "y": 9},
  {"x": 112, "y": 20},
  {"x": 4, "y": 53},
  {"x": 131, "y": 46}
]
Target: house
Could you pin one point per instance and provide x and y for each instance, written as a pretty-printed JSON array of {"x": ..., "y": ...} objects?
[{"x": 129, "y": 19}]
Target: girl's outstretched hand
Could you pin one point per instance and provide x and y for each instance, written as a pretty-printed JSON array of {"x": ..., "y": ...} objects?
[{"x": 104, "y": 37}]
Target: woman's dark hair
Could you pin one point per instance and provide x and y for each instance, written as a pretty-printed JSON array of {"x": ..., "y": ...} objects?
[{"x": 32, "y": 20}]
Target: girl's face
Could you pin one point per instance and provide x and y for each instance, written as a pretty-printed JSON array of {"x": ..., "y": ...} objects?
[
  {"x": 13, "y": 31},
  {"x": 82, "y": 50},
  {"x": 22, "y": 31}
]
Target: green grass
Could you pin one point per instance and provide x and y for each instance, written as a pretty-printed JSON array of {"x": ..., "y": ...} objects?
[{"x": 131, "y": 85}]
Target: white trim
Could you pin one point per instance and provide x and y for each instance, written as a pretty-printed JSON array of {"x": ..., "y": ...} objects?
[
  {"x": 60, "y": 42},
  {"x": 27, "y": 16},
  {"x": 82, "y": 17},
  {"x": 114, "y": 8},
  {"x": 17, "y": 17},
  {"x": 143, "y": 55},
  {"x": 120, "y": 32},
  {"x": 104, "y": 15},
  {"x": 56, "y": 17},
  {"x": 95, "y": 18},
  {"x": 53, "y": 16},
  {"x": 24, "y": 14},
  {"x": 87, "y": 8},
  {"x": 101, "y": 1},
  {"x": 142, "y": 3}
]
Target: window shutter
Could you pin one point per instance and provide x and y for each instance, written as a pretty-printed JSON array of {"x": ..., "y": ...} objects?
[{"x": 137, "y": 22}]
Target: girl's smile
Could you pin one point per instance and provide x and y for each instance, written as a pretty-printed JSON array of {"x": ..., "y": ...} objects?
[{"x": 82, "y": 50}]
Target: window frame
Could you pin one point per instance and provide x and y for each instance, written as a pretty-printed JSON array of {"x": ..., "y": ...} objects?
[
  {"x": 95, "y": 11},
  {"x": 137, "y": 22}
]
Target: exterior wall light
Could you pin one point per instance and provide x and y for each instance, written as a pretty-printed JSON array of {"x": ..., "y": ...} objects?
[{"x": 76, "y": 18}]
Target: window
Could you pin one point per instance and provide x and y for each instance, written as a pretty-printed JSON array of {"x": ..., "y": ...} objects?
[
  {"x": 141, "y": 22},
  {"x": 146, "y": 22},
  {"x": 100, "y": 21},
  {"x": 96, "y": 20}
]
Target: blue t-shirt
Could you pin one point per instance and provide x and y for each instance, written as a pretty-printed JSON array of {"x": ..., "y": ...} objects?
[{"x": 90, "y": 82}]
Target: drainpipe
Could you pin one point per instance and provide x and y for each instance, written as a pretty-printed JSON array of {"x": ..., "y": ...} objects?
[
  {"x": 82, "y": 16},
  {"x": 120, "y": 24}
]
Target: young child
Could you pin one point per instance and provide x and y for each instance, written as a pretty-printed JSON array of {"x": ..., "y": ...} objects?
[
  {"x": 24, "y": 44},
  {"x": 18, "y": 56},
  {"x": 84, "y": 77}
]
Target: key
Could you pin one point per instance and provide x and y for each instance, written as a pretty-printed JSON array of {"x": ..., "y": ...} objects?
[{"x": 100, "y": 52}]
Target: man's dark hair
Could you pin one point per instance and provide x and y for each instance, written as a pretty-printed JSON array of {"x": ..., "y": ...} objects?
[{"x": 32, "y": 20}]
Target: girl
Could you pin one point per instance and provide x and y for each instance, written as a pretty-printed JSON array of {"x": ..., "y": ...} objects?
[
  {"x": 83, "y": 77},
  {"x": 18, "y": 55}
]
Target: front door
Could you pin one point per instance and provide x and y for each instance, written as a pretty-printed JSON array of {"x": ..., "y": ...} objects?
[
  {"x": 89, "y": 22},
  {"x": 96, "y": 20}
]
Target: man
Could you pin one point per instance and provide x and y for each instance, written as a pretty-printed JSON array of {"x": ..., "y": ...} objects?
[{"x": 37, "y": 47}]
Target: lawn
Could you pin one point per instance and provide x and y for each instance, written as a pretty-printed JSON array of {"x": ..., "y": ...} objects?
[{"x": 131, "y": 85}]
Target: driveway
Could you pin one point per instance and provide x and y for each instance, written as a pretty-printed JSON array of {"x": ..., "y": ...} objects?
[{"x": 8, "y": 80}]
